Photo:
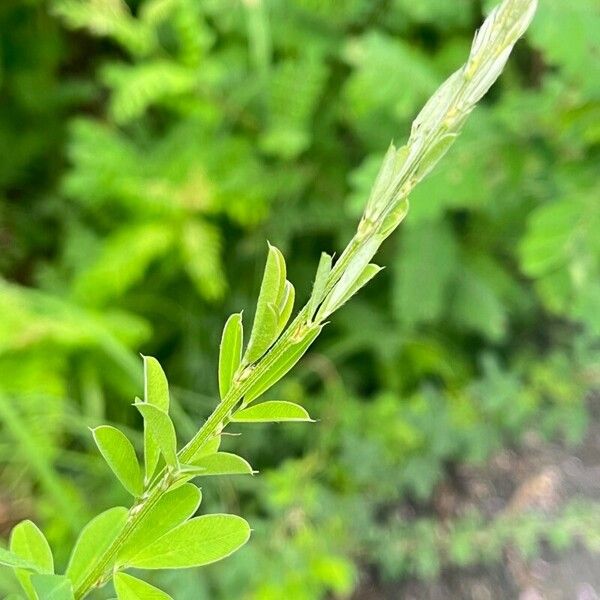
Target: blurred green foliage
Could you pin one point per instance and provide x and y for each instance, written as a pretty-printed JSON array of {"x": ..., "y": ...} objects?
[{"x": 149, "y": 149}]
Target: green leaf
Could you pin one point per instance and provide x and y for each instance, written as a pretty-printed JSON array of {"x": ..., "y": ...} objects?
[
  {"x": 221, "y": 463},
  {"x": 271, "y": 411},
  {"x": 549, "y": 241},
  {"x": 210, "y": 447},
  {"x": 93, "y": 540},
  {"x": 290, "y": 355},
  {"x": 320, "y": 284},
  {"x": 382, "y": 187},
  {"x": 173, "y": 509},
  {"x": 426, "y": 265},
  {"x": 353, "y": 273},
  {"x": 477, "y": 307},
  {"x": 28, "y": 542},
  {"x": 267, "y": 331},
  {"x": 272, "y": 289},
  {"x": 286, "y": 305},
  {"x": 434, "y": 155},
  {"x": 120, "y": 455},
  {"x": 230, "y": 355},
  {"x": 201, "y": 251},
  {"x": 156, "y": 386},
  {"x": 52, "y": 587},
  {"x": 199, "y": 541},
  {"x": 156, "y": 392},
  {"x": 367, "y": 274},
  {"x": 161, "y": 428},
  {"x": 10, "y": 559},
  {"x": 122, "y": 260},
  {"x": 131, "y": 588}
]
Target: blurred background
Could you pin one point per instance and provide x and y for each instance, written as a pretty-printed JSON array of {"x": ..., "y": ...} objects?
[{"x": 148, "y": 149}]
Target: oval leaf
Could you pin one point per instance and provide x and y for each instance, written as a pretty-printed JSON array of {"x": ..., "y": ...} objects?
[
  {"x": 52, "y": 587},
  {"x": 156, "y": 386},
  {"x": 28, "y": 542},
  {"x": 156, "y": 392},
  {"x": 93, "y": 540},
  {"x": 118, "y": 452},
  {"x": 197, "y": 542},
  {"x": 272, "y": 411},
  {"x": 283, "y": 363},
  {"x": 264, "y": 328},
  {"x": 222, "y": 463},
  {"x": 173, "y": 509},
  {"x": 161, "y": 429},
  {"x": 230, "y": 355},
  {"x": 131, "y": 588}
]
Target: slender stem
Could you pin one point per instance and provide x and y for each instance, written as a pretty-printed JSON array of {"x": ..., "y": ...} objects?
[
  {"x": 211, "y": 427},
  {"x": 137, "y": 514}
]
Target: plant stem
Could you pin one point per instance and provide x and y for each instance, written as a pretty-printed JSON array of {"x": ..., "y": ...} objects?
[
  {"x": 433, "y": 131},
  {"x": 210, "y": 428}
]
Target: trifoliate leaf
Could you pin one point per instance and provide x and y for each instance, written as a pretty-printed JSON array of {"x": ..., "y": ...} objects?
[
  {"x": 93, "y": 540},
  {"x": 200, "y": 541},
  {"x": 272, "y": 411},
  {"x": 120, "y": 455},
  {"x": 173, "y": 509},
  {"x": 161, "y": 428},
  {"x": 230, "y": 355},
  {"x": 131, "y": 588}
]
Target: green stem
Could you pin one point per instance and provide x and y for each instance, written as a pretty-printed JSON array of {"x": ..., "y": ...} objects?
[
  {"x": 433, "y": 132},
  {"x": 211, "y": 427},
  {"x": 99, "y": 574}
]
